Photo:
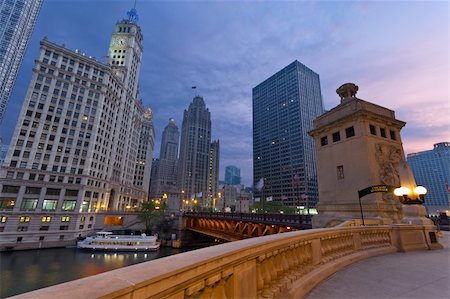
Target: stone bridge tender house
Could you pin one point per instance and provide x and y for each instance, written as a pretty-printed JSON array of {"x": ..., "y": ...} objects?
[{"x": 358, "y": 145}]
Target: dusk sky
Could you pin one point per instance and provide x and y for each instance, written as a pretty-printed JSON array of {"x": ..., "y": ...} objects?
[{"x": 396, "y": 52}]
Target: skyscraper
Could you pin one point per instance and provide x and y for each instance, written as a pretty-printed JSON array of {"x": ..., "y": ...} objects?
[
  {"x": 195, "y": 149},
  {"x": 232, "y": 175},
  {"x": 164, "y": 176},
  {"x": 82, "y": 144},
  {"x": 432, "y": 170},
  {"x": 284, "y": 107},
  {"x": 17, "y": 19}
]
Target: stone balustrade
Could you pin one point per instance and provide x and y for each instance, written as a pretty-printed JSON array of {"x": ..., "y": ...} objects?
[{"x": 284, "y": 265}]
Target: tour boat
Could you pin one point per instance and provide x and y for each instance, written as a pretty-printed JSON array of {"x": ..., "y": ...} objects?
[{"x": 109, "y": 241}]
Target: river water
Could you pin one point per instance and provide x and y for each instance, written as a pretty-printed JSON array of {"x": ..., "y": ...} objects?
[{"x": 24, "y": 271}]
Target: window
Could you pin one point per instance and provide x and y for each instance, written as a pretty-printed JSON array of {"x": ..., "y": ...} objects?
[
  {"x": 69, "y": 205},
  {"x": 323, "y": 141},
  {"x": 46, "y": 219},
  {"x": 3, "y": 219},
  {"x": 350, "y": 132},
  {"x": 70, "y": 192},
  {"x": 393, "y": 135},
  {"x": 7, "y": 203},
  {"x": 383, "y": 132},
  {"x": 51, "y": 191},
  {"x": 340, "y": 172},
  {"x": 32, "y": 190},
  {"x": 336, "y": 136},
  {"x": 372, "y": 130},
  {"x": 84, "y": 206},
  {"x": 65, "y": 218},
  {"x": 24, "y": 219},
  {"x": 49, "y": 205},
  {"x": 10, "y": 189},
  {"x": 29, "y": 204}
]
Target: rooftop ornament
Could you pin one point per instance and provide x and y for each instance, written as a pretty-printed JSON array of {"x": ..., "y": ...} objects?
[{"x": 347, "y": 91}]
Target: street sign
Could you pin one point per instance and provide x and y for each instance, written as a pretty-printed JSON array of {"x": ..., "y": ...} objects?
[{"x": 374, "y": 189}]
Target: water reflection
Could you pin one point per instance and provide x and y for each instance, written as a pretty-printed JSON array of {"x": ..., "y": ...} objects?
[{"x": 24, "y": 271}]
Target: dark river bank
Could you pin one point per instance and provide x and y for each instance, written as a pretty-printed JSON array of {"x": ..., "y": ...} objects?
[{"x": 24, "y": 271}]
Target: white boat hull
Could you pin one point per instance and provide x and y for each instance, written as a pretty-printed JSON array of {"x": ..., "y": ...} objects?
[
  {"x": 108, "y": 242},
  {"x": 118, "y": 247}
]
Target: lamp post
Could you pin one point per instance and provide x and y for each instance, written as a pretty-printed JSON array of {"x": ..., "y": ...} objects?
[{"x": 405, "y": 195}]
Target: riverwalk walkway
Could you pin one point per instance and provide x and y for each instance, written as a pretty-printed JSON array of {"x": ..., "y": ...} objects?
[{"x": 412, "y": 275}]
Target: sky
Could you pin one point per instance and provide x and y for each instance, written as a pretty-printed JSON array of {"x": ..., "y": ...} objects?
[{"x": 397, "y": 52}]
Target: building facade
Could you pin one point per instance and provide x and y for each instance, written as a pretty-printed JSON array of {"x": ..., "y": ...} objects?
[
  {"x": 195, "y": 146},
  {"x": 165, "y": 175},
  {"x": 213, "y": 172},
  {"x": 432, "y": 170},
  {"x": 82, "y": 144},
  {"x": 232, "y": 175},
  {"x": 284, "y": 107},
  {"x": 17, "y": 19}
]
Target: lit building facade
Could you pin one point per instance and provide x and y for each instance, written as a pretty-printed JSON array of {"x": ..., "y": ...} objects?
[
  {"x": 213, "y": 175},
  {"x": 164, "y": 177},
  {"x": 17, "y": 21},
  {"x": 232, "y": 175},
  {"x": 195, "y": 150},
  {"x": 284, "y": 107},
  {"x": 432, "y": 170},
  {"x": 82, "y": 144}
]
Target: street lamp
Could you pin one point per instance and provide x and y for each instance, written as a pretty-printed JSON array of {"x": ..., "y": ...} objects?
[{"x": 405, "y": 195}]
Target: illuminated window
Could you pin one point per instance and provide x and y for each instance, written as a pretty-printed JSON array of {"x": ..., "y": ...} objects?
[
  {"x": 29, "y": 204},
  {"x": 46, "y": 219},
  {"x": 24, "y": 219},
  {"x": 68, "y": 205},
  {"x": 65, "y": 218},
  {"x": 49, "y": 205},
  {"x": 3, "y": 219}
]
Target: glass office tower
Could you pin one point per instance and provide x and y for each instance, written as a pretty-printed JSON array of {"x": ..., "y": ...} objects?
[
  {"x": 432, "y": 170},
  {"x": 284, "y": 107},
  {"x": 232, "y": 175},
  {"x": 17, "y": 19}
]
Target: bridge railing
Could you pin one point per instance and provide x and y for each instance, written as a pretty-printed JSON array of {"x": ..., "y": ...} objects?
[
  {"x": 284, "y": 265},
  {"x": 254, "y": 217}
]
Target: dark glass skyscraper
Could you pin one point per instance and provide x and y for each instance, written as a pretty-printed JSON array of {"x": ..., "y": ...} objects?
[
  {"x": 284, "y": 107},
  {"x": 232, "y": 175},
  {"x": 432, "y": 170}
]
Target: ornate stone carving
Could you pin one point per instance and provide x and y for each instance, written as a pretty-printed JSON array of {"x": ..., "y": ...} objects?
[{"x": 389, "y": 158}]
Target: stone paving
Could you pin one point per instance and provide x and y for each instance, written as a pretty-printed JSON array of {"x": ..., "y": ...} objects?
[{"x": 412, "y": 275}]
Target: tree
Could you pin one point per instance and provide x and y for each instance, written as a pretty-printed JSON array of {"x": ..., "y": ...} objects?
[
  {"x": 272, "y": 207},
  {"x": 151, "y": 214}
]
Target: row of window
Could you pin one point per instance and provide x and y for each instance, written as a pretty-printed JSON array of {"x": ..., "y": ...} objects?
[
  {"x": 27, "y": 219},
  {"x": 373, "y": 131},
  {"x": 30, "y": 204},
  {"x": 336, "y": 136},
  {"x": 37, "y": 190}
]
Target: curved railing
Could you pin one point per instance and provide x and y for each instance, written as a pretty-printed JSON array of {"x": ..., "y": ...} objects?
[{"x": 285, "y": 265}]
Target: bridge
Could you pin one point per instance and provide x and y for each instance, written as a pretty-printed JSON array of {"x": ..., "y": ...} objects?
[
  {"x": 287, "y": 265},
  {"x": 238, "y": 226}
]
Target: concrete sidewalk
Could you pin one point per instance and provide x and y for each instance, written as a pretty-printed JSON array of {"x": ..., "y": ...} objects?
[{"x": 418, "y": 274}]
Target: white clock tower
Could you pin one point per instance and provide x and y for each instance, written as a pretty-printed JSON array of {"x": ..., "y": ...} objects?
[{"x": 125, "y": 51}]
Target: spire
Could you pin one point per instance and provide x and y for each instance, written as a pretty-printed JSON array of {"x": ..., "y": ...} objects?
[{"x": 133, "y": 17}]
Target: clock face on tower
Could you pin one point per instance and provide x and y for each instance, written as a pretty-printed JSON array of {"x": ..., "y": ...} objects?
[{"x": 120, "y": 41}]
